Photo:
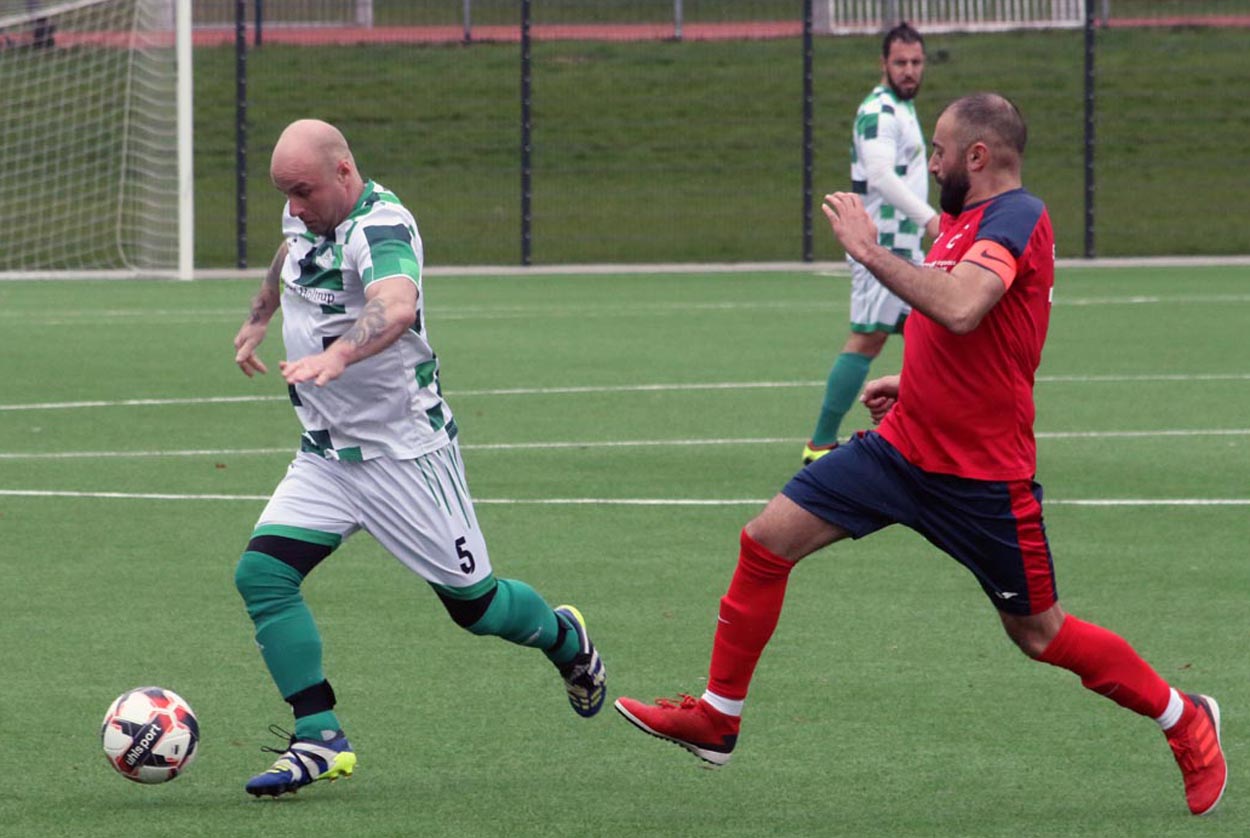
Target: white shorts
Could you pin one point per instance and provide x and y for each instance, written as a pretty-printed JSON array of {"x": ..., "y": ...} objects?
[
  {"x": 874, "y": 308},
  {"x": 419, "y": 510}
]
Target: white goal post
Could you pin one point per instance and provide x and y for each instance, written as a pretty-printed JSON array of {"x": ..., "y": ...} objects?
[
  {"x": 96, "y": 171},
  {"x": 857, "y": 17}
]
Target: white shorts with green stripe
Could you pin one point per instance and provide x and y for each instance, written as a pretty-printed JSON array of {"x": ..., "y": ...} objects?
[
  {"x": 419, "y": 510},
  {"x": 874, "y": 308}
]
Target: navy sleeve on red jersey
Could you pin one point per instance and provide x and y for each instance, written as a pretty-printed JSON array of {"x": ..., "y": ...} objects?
[{"x": 1009, "y": 220}]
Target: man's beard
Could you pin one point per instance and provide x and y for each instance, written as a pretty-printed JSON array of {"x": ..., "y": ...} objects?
[
  {"x": 954, "y": 192},
  {"x": 902, "y": 94}
]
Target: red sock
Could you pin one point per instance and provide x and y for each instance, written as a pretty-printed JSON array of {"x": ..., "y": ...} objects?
[
  {"x": 1109, "y": 666},
  {"x": 748, "y": 615}
]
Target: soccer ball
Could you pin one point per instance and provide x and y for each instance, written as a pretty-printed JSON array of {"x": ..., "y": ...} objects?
[{"x": 150, "y": 735}]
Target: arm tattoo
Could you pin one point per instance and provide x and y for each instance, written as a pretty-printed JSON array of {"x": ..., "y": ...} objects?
[
  {"x": 371, "y": 326},
  {"x": 260, "y": 310},
  {"x": 266, "y": 300}
]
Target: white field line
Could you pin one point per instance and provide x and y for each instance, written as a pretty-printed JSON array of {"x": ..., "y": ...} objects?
[
  {"x": 625, "y": 388},
  {"x": 469, "y": 272},
  {"x": 662, "y": 502},
  {"x": 140, "y": 402},
  {"x": 87, "y": 317},
  {"x": 557, "y": 445}
]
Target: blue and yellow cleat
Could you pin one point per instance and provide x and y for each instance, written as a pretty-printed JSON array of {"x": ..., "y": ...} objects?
[
  {"x": 813, "y": 452},
  {"x": 585, "y": 678},
  {"x": 304, "y": 761}
]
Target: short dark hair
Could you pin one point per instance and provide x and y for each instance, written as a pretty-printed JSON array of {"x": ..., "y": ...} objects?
[
  {"x": 990, "y": 114},
  {"x": 905, "y": 33}
]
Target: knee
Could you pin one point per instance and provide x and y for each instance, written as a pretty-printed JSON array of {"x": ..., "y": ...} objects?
[
  {"x": 273, "y": 567},
  {"x": 868, "y": 344},
  {"x": 1031, "y": 643},
  {"x": 264, "y": 582},
  {"x": 474, "y": 614},
  {"x": 1033, "y": 634}
]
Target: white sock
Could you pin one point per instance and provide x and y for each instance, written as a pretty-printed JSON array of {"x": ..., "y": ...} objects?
[
  {"x": 724, "y": 705},
  {"x": 1172, "y": 715}
]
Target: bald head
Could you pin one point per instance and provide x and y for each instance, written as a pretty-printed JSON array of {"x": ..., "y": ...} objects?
[
  {"x": 313, "y": 166},
  {"x": 991, "y": 119},
  {"x": 978, "y": 148},
  {"x": 310, "y": 143}
]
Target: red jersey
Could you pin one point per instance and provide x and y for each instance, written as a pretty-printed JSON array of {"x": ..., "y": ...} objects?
[{"x": 965, "y": 402}]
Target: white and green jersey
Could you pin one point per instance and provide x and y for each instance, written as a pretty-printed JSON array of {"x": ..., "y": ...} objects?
[
  {"x": 888, "y": 168},
  {"x": 386, "y": 405}
]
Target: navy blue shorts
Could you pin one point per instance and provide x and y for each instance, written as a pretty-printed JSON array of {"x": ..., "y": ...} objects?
[{"x": 992, "y": 528}]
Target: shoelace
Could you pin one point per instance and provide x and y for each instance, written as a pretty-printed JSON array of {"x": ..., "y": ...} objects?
[
  {"x": 1182, "y": 748},
  {"x": 1185, "y": 745},
  {"x": 281, "y": 733},
  {"x": 688, "y": 702}
]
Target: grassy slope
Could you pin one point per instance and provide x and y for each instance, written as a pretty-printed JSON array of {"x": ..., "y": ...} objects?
[{"x": 663, "y": 151}]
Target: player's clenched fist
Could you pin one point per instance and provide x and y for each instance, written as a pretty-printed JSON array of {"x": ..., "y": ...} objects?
[{"x": 879, "y": 396}]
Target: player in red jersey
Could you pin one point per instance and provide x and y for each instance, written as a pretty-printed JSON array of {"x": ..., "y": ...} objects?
[{"x": 954, "y": 457}]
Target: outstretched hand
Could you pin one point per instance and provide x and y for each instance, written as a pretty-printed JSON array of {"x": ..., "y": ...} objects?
[
  {"x": 245, "y": 343},
  {"x": 850, "y": 222},
  {"x": 320, "y": 369}
]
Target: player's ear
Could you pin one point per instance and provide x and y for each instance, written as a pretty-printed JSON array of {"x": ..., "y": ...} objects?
[{"x": 977, "y": 157}]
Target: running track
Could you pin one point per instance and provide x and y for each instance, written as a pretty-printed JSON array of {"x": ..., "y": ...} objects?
[{"x": 744, "y": 30}]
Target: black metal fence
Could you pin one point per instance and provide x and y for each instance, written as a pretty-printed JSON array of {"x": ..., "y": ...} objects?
[{"x": 647, "y": 130}]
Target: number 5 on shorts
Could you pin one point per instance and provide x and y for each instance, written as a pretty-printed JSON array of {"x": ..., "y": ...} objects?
[{"x": 466, "y": 564}]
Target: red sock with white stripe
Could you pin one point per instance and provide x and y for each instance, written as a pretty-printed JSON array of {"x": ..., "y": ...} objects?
[
  {"x": 748, "y": 615},
  {"x": 1109, "y": 666}
]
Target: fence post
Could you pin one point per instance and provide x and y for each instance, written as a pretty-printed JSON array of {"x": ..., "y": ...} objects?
[
  {"x": 808, "y": 100},
  {"x": 260, "y": 18},
  {"x": 891, "y": 15},
  {"x": 526, "y": 130},
  {"x": 1089, "y": 129},
  {"x": 468, "y": 26},
  {"x": 678, "y": 17},
  {"x": 240, "y": 131}
]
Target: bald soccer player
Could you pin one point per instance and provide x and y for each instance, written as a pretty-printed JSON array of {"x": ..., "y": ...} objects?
[{"x": 378, "y": 451}]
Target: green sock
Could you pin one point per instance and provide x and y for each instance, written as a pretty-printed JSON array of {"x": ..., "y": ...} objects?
[
  {"x": 317, "y": 726},
  {"x": 847, "y": 377},
  {"x": 285, "y": 632},
  {"x": 520, "y": 615}
]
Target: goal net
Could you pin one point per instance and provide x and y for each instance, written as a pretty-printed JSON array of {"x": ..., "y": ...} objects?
[
  {"x": 89, "y": 162},
  {"x": 848, "y": 17}
]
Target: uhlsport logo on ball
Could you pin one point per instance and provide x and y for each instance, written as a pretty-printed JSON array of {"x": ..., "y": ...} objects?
[{"x": 150, "y": 735}]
